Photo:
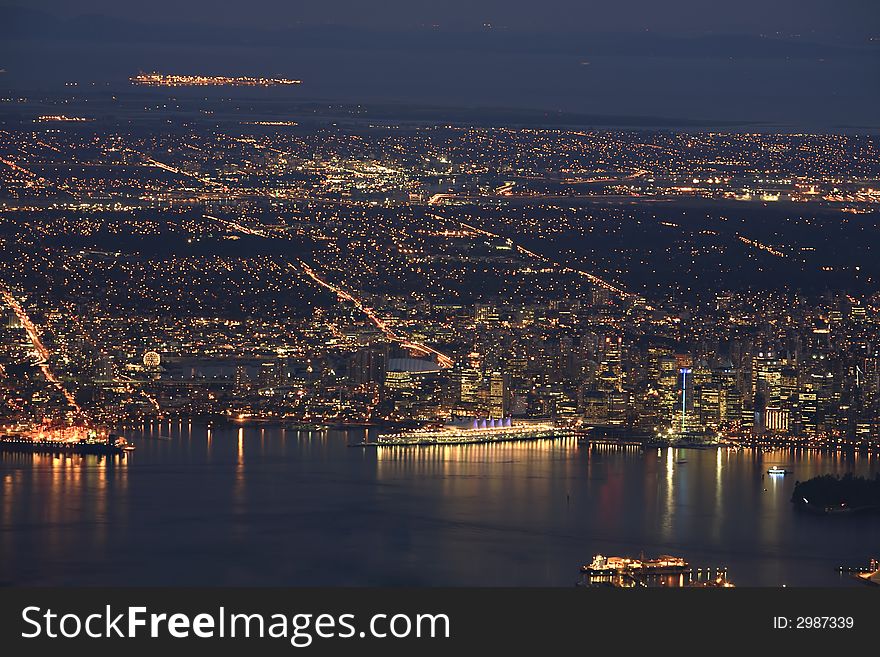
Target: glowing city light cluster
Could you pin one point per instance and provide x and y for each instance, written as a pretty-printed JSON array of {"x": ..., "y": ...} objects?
[
  {"x": 61, "y": 118},
  {"x": 172, "y": 80}
]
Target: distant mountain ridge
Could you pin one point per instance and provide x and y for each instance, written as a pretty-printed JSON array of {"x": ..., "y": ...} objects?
[{"x": 20, "y": 23}]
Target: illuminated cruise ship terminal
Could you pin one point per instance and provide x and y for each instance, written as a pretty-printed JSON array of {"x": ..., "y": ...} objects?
[{"x": 482, "y": 430}]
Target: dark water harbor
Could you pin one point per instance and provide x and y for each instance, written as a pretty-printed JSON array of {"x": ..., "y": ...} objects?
[{"x": 268, "y": 506}]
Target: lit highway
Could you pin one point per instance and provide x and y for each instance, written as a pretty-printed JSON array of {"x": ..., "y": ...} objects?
[
  {"x": 234, "y": 225},
  {"x": 563, "y": 268},
  {"x": 40, "y": 349},
  {"x": 442, "y": 359},
  {"x": 177, "y": 170}
]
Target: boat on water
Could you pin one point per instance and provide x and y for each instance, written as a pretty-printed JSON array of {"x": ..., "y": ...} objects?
[
  {"x": 665, "y": 572},
  {"x": 663, "y": 565},
  {"x": 485, "y": 430},
  {"x": 776, "y": 470}
]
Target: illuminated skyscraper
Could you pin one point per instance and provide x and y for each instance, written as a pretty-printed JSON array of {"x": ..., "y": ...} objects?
[
  {"x": 687, "y": 390},
  {"x": 498, "y": 395},
  {"x": 467, "y": 381},
  {"x": 241, "y": 378}
]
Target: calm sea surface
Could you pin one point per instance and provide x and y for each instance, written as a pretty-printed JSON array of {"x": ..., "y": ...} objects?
[{"x": 265, "y": 506}]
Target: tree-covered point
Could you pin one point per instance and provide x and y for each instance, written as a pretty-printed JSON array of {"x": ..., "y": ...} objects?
[{"x": 848, "y": 492}]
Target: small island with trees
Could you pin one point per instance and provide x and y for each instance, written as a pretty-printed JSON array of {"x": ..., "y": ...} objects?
[{"x": 832, "y": 494}]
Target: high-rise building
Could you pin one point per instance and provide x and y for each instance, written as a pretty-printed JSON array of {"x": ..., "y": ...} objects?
[
  {"x": 486, "y": 314},
  {"x": 242, "y": 380},
  {"x": 368, "y": 365},
  {"x": 270, "y": 374},
  {"x": 467, "y": 381},
  {"x": 498, "y": 394}
]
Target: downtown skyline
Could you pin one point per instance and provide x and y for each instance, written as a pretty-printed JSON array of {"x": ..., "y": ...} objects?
[{"x": 404, "y": 295}]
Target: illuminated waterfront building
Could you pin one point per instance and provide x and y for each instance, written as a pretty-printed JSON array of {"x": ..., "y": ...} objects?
[{"x": 776, "y": 419}]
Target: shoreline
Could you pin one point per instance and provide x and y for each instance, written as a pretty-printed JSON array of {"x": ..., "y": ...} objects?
[{"x": 211, "y": 421}]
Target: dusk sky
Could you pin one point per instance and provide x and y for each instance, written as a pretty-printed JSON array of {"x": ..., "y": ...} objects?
[
  {"x": 796, "y": 63},
  {"x": 854, "y": 19}
]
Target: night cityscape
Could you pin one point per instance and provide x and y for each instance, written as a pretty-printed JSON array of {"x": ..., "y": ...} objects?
[{"x": 261, "y": 329}]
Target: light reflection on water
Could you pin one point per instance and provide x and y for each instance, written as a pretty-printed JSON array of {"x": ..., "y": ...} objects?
[
  {"x": 267, "y": 506},
  {"x": 47, "y": 499}
]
